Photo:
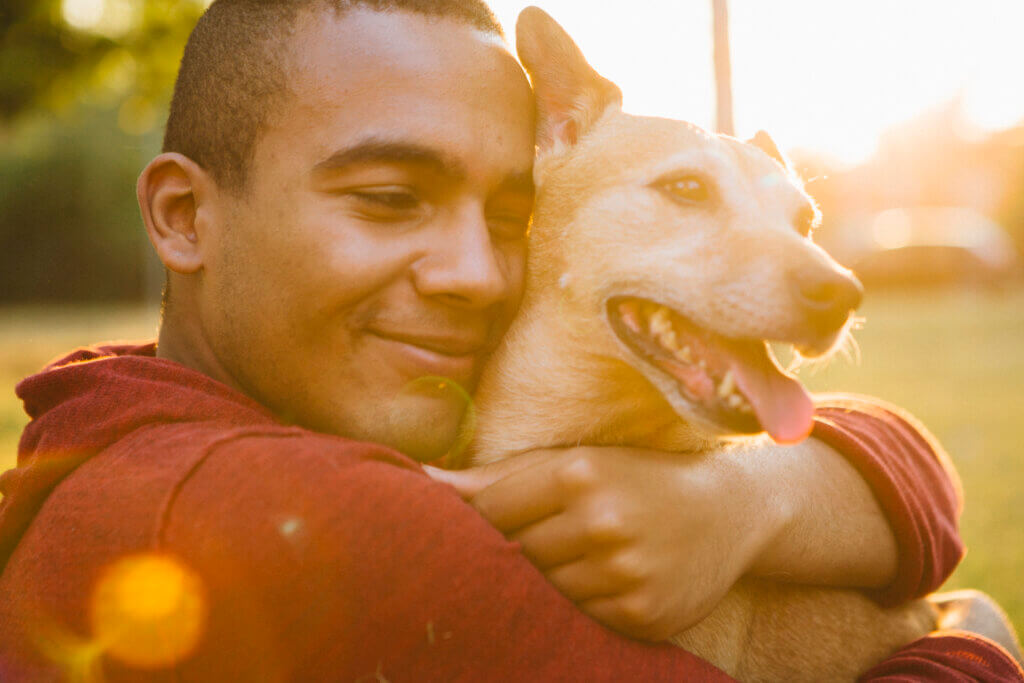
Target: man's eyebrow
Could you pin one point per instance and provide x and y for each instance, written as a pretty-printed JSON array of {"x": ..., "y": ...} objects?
[{"x": 392, "y": 152}]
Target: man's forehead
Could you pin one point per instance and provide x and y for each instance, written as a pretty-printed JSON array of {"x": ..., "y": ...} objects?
[
  {"x": 364, "y": 83},
  {"x": 399, "y": 41}
]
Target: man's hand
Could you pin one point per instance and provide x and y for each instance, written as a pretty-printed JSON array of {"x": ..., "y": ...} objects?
[
  {"x": 649, "y": 542},
  {"x": 643, "y": 541}
]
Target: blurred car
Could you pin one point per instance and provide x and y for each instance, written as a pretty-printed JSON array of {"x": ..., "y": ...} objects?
[{"x": 929, "y": 246}]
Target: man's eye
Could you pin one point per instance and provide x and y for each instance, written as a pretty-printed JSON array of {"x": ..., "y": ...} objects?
[
  {"x": 395, "y": 201},
  {"x": 509, "y": 226},
  {"x": 686, "y": 189}
]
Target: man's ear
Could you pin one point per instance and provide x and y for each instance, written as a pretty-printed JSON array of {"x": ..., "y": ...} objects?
[
  {"x": 570, "y": 94},
  {"x": 764, "y": 142},
  {"x": 170, "y": 190}
]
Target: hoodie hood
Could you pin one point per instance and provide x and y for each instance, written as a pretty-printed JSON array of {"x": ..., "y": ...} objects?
[{"x": 89, "y": 399}]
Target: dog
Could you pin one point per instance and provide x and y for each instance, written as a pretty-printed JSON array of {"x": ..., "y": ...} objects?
[{"x": 661, "y": 259}]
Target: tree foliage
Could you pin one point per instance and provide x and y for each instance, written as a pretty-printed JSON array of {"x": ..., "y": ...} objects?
[
  {"x": 57, "y": 53},
  {"x": 84, "y": 86}
]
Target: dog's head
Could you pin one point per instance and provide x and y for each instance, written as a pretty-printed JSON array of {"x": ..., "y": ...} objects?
[{"x": 675, "y": 250}]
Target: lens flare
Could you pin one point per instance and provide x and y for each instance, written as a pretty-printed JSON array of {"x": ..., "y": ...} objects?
[
  {"x": 148, "y": 610},
  {"x": 79, "y": 659},
  {"x": 454, "y": 393}
]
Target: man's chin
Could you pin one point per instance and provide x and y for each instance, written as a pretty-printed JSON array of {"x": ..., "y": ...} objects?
[
  {"x": 425, "y": 423},
  {"x": 423, "y": 438},
  {"x": 423, "y": 420}
]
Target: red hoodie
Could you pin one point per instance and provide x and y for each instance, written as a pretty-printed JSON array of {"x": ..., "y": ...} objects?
[{"x": 312, "y": 557}]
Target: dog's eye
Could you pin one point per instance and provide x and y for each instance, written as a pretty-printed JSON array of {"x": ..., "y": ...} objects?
[{"x": 688, "y": 189}]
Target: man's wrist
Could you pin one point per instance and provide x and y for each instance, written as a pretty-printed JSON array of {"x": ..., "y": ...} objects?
[
  {"x": 777, "y": 501},
  {"x": 830, "y": 529}
]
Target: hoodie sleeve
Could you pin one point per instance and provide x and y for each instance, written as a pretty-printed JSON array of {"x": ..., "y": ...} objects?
[
  {"x": 952, "y": 656},
  {"x": 325, "y": 563},
  {"x": 912, "y": 479}
]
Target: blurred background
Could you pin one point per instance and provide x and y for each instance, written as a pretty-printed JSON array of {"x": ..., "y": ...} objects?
[{"x": 906, "y": 120}]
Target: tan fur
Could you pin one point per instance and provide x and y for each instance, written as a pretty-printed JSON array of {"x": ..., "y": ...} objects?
[{"x": 562, "y": 377}]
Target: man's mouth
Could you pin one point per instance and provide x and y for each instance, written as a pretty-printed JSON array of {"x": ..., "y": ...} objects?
[
  {"x": 447, "y": 345},
  {"x": 456, "y": 358},
  {"x": 733, "y": 383}
]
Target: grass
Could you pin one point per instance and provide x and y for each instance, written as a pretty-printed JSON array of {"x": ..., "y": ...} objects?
[{"x": 954, "y": 359}]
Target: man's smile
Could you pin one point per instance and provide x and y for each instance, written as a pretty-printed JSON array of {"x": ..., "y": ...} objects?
[{"x": 455, "y": 356}]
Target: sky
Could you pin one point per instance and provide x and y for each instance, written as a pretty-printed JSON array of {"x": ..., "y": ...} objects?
[{"x": 825, "y": 75}]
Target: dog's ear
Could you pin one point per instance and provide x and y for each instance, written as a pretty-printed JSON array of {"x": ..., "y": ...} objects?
[
  {"x": 764, "y": 142},
  {"x": 570, "y": 94}
]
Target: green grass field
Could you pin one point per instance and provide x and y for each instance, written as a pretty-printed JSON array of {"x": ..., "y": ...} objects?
[{"x": 956, "y": 360}]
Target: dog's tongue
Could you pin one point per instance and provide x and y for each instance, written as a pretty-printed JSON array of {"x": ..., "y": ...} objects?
[{"x": 782, "y": 405}]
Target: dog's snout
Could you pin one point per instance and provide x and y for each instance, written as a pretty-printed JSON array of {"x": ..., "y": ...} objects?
[{"x": 826, "y": 296}]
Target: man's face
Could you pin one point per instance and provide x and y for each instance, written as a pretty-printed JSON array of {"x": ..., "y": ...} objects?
[{"x": 381, "y": 236}]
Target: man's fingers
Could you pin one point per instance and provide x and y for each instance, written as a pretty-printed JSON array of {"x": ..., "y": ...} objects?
[
  {"x": 560, "y": 538},
  {"x": 552, "y": 541},
  {"x": 521, "y": 498},
  {"x": 471, "y": 481},
  {"x": 584, "y": 580}
]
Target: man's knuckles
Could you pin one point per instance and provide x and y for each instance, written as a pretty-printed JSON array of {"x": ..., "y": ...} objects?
[
  {"x": 580, "y": 472},
  {"x": 627, "y": 568},
  {"x": 640, "y": 613},
  {"x": 607, "y": 525}
]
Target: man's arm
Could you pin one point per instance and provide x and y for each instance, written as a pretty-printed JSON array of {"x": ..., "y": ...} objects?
[
  {"x": 648, "y": 542},
  {"x": 328, "y": 560},
  {"x": 913, "y": 482}
]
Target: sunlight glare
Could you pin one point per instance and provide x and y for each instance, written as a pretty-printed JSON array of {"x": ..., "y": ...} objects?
[
  {"x": 892, "y": 229},
  {"x": 821, "y": 76}
]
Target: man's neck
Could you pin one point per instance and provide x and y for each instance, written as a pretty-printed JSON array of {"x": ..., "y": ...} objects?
[{"x": 183, "y": 341}]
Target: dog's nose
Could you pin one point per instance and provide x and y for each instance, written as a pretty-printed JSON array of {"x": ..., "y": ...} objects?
[{"x": 827, "y": 296}]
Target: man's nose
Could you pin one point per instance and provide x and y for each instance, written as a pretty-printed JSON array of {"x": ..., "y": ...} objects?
[
  {"x": 463, "y": 265},
  {"x": 826, "y": 295}
]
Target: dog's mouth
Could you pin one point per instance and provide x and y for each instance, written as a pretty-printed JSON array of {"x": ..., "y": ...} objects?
[{"x": 733, "y": 383}]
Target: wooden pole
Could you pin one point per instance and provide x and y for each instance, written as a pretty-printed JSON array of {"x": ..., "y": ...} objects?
[{"x": 723, "y": 68}]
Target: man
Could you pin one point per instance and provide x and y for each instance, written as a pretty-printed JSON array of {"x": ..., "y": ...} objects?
[{"x": 342, "y": 208}]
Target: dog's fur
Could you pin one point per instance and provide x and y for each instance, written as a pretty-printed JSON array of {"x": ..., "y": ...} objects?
[{"x": 562, "y": 377}]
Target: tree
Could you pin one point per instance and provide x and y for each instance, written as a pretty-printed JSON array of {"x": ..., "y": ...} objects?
[{"x": 57, "y": 53}]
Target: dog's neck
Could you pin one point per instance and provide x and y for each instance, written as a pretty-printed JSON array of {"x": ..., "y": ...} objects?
[{"x": 545, "y": 387}]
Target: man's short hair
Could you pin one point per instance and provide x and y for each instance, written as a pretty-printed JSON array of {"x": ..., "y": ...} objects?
[{"x": 232, "y": 73}]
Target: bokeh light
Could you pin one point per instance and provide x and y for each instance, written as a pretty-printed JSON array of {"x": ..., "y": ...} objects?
[
  {"x": 111, "y": 18},
  {"x": 148, "y": 610},
  {"x": 83, "y": 14}
]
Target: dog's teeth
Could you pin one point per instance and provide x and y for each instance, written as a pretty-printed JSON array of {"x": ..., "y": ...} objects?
[
  {"x": 660, "y": 323},
  {"x": 727, "y": 385},
  {"x": 702, "y": 365},
  {"x": 734, "y": 401},
  {"x": 684, "y": 354},
  {"x": 669, "y": 340},
  {"x": 629, "y": 312}
]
